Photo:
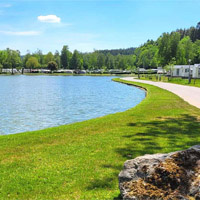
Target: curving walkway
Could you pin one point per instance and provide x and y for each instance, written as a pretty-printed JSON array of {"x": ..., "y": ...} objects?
[{"x": 188, "y": 93}]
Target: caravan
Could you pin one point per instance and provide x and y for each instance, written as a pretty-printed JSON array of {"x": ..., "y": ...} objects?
[
  {"x": 196, "y": 71},
  {"x": 183, "y": 71}
]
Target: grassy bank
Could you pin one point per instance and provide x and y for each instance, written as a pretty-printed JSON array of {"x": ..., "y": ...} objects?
[
  {"x": 82, "y": 160},
  {"x": 194, "y": 82}
]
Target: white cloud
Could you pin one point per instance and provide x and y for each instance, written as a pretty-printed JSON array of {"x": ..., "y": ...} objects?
[
  {"x": 49, "y": 19},
  {"x": 21, "y": 33}
]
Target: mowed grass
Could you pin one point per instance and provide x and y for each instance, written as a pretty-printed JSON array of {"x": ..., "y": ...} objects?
[
  {"x": 181, "y": 81},
  {"x": 83, "y": 160}
]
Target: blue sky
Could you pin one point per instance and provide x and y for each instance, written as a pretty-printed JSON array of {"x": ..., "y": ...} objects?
[{"x": 90, "y": 24}]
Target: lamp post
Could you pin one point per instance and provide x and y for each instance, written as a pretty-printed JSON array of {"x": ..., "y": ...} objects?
[{"x": 189, "y": 78}]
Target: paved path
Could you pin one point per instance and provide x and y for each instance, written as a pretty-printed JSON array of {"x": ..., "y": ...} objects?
[{"x": 188, "y": 93}]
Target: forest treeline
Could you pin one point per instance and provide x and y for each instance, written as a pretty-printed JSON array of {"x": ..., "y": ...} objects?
[
  {"x": 115, "y": 52},
  {"x": 177, "y": 47}
]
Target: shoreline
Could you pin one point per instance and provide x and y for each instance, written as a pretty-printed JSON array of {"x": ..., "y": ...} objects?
[
  {"x": 132, "y": 84},
  {"x": 65, "y": 74}
]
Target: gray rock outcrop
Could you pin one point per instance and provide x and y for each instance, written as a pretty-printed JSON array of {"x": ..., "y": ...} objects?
[{"x": 173, "y": 176}]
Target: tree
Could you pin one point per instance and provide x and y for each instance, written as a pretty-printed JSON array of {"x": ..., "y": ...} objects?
[
  {"x": 41, "y": 58},
  {"x": 170, "y": 67},
  {"x": 3, "y": 58},
  {"x": 168, "y": 45},
  {"x": 13, "y": 59},
  {"x": 86, "y": 63},
  {"x": 57, "y": 58},
  {"x": 185, "y": 51},
  {"x": 32, "y": 63},
  {"x": 164, "y": 49},
  {"x": 65, "y": 57},
  {"x": 131, "y": 60},
  {"x": 52, "y": 66},
  {"x": 174, "y": 41},
  {"x": 10, "y": 59},
  {"x": 100, "y": 60},
  {"x": 76, "y": 61},
  {"x": 48, "y": 58},
  {"x": 147, "y": 56},
  {"x": 25, "y": 58},
  {"x": 122, "y": 62},
  {"x": 197, "y": 51},
  {"x": 93, "y": 60},
  {"x": 1, "y": 67},
  {"x": 109, "y": 61}
]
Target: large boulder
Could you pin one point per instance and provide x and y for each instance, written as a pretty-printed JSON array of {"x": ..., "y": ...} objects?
[{"x": 170, "y": 176}]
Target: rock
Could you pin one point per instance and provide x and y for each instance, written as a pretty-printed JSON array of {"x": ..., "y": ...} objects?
[{"x": 173, "y": 176}]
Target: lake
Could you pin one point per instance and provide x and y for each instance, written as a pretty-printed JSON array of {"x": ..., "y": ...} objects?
[{"x": 30, "y": 103}]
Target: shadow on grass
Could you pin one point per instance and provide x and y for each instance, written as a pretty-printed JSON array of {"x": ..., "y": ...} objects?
[
  {"x": 106, "y": 182},
  {"x": 161, "y": 135}
]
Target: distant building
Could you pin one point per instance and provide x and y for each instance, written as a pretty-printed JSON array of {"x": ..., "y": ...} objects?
[
  {"x": 96, "y": 71},
  {"x": 9, "y": 71},
  {"x": 146, "y": 71},
  {"x": 45, "y": 71},
  {"x": 80, "y": 71},
  {"x": 118, "y": 71},
  {"x": 196, "y": 71},
  {"x": 184, "y": 71},
  {"x": 36, "y": 71},
  {"x": 67, "y": 71},
  {"x": 160, "y": 70},
  {"x": 142, "y": 70},
  {"x": 115, "y": 71},
  {"x": 27, "y": 71}
]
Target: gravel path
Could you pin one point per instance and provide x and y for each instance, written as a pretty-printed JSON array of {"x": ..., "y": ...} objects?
[{"x": 188, "y": 93}]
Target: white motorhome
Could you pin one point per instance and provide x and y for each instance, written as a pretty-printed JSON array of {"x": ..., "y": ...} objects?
[
  {"x": 196, "y": 71},
  {"x": 67, "y": 71},
  {"x": 184, "y": 71},
  {"x": 9, "y": 70}
]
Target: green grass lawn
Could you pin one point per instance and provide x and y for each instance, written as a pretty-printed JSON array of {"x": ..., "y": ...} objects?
[
  {"x": 153, "y": 77},
  {"x": 83, "y": 160}
]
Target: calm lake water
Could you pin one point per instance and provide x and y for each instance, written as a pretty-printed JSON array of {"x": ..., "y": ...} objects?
[{"x": 36, "y": 102}]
